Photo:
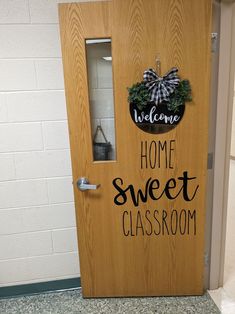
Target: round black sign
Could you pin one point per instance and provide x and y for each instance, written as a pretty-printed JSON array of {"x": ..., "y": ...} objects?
[{"x": 156, "y": 119}]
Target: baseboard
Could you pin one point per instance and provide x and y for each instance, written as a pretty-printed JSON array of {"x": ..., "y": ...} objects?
[{"x": 41, "y": 287}]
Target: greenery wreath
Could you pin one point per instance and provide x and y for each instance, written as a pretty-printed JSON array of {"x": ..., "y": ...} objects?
[{"x": 175, "y": 91}]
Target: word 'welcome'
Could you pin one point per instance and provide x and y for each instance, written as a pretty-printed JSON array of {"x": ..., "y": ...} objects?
[{"x": 153, "y": 117}]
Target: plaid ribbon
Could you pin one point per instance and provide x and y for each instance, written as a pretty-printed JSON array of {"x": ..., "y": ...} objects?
[{"x": 160, "y": 88}]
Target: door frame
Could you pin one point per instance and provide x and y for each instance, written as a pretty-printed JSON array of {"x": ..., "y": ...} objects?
[{"x": 222, "y": 141}]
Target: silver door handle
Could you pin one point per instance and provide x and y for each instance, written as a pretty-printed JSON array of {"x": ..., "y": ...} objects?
[{"x": 83, "y": 185}]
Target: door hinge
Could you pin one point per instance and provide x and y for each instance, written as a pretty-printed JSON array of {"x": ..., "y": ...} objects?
[
  {"x": 214, "y": 42},
  {"x": 210, "y": 161}
]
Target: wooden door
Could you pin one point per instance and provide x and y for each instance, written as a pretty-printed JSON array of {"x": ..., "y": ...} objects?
[{"x": 154, "y": 245}]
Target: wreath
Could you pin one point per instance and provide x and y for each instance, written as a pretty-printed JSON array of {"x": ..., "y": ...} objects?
[{"x": 168, "y": 90}]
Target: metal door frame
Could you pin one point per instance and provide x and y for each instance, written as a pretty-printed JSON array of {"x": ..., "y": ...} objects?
[{"x": 222, "y": 141}]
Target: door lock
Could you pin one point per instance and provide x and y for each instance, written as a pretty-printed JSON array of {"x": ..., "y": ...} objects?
[{"x": 83, "y": 185}]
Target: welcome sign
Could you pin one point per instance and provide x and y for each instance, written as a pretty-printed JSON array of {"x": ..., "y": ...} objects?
[
  {"x": 156, "y": 119},
  {"x": 157, "y": 103}
]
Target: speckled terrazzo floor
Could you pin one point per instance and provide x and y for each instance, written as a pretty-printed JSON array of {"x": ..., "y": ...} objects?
[{"x": 70, "y": 302}]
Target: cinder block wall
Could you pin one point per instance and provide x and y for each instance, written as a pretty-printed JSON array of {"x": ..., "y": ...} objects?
[{"x": 37, "y": 216}]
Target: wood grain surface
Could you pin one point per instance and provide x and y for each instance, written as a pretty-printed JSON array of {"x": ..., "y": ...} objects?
[{"x": 113, "y": 264}]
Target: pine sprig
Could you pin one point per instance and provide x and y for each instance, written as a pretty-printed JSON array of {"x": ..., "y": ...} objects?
[
  {"x": 139, "y": 95},
  {"x": 181, "y": 94}
]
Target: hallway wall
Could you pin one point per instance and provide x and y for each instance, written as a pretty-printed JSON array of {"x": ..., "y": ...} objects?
[
  {"x": 37, "y": 216},
  {"x": 233, "y": 129},
  {"x": 229, "y": 267}
]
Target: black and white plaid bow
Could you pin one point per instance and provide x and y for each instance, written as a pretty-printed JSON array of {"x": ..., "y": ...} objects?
[{"x": 160, "y": 88}]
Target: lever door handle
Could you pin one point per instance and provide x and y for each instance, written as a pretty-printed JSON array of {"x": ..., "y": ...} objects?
[{"x": 83, "y": 185}]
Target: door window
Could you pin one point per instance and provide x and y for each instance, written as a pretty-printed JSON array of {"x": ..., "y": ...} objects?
[{"x": 100, "y": 81}]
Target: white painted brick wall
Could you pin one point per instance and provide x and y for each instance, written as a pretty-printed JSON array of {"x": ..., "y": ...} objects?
[
  {"x": 35, "y": 106},
  {"x": 23, "y": 193},
  {"x": 64, "y": 240},
  {"x": 37, "y": 216},
  {"x": 43, "y": 164},
  {"x": 45, "y": 267},
  {"x": 13, "y": 246},
  {"x": 20, "y": 137},
  {"x": 29, "y": 41},
  {"x": 60, "y": 190},
  {"x": 17, "y": 75},
  {"x": 14, "y": 12},
  {"x": 49, "y": 74},
  {"x": 3, "y": 108},
  {"x": 55, "y": 135},
  {"x": 7, "y": 167}
]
